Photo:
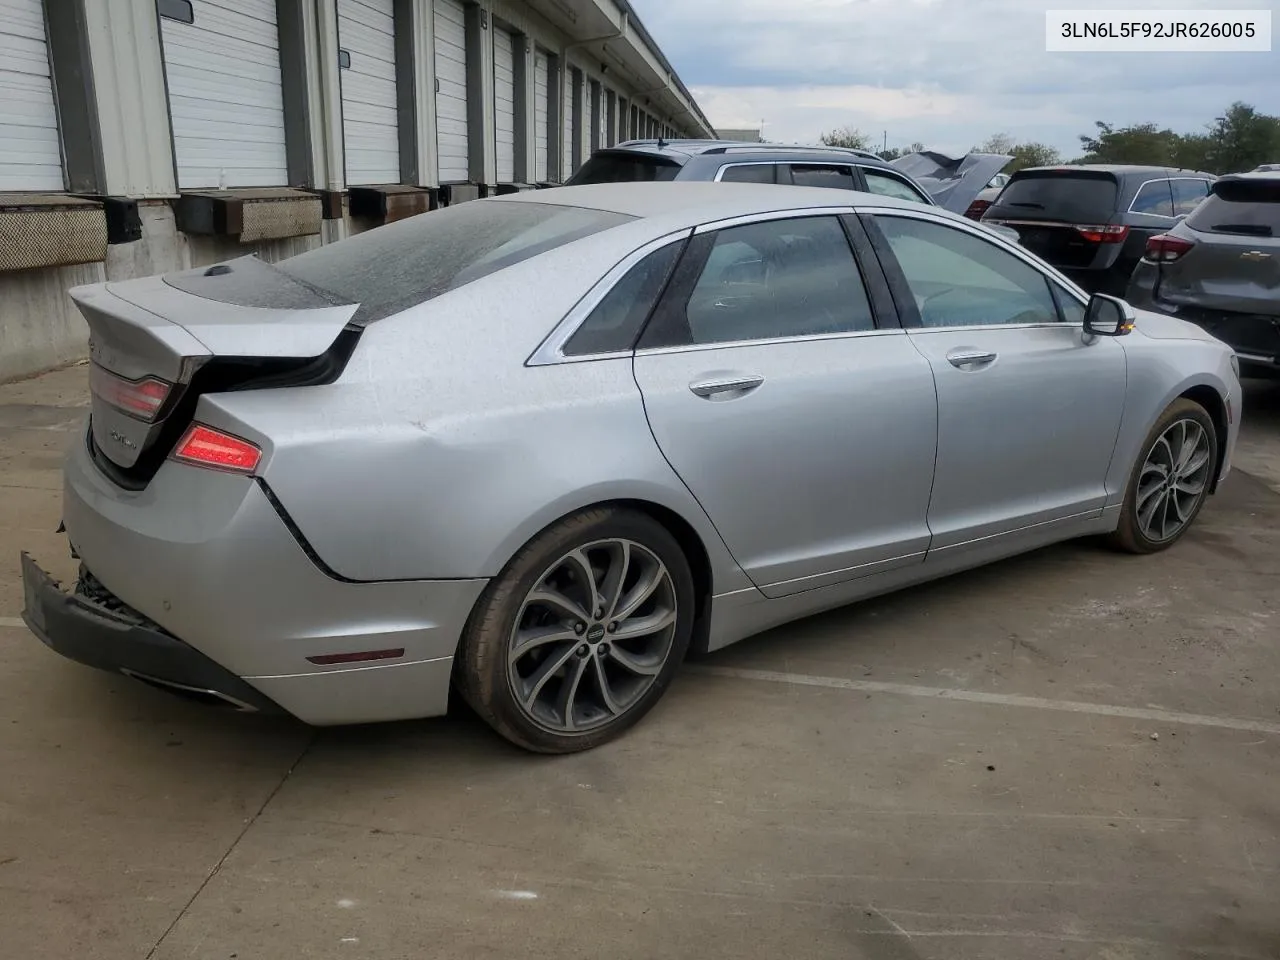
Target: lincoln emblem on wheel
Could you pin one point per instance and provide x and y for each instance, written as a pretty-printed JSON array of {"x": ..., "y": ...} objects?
[{"x": 792, "y": 398}]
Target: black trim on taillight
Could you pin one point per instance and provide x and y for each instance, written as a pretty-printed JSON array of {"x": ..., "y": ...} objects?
[{"x": 226, "y": 375}]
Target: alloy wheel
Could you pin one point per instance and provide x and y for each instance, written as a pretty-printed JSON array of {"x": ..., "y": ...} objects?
[
  {"x": 592, "y": 636},
  {"x": 1173, "y": 480}
]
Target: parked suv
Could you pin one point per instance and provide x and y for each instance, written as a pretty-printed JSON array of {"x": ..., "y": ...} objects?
[
  {"x": 1220, "y": 268},
  {"x": 727, "y": 160},
  {"x": 1093, "y": 221}
]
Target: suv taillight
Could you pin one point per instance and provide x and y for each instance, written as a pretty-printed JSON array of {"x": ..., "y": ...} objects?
[
  {"x": 977, "y": 209},
  {"x": 1103, "y": 233},
  {"x": 140, "y": 399},
  {"x": 1166, "y": 248},
  {"x": 204, "y": 446}
]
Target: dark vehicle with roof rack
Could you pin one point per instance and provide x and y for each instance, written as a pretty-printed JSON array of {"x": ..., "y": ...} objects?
[
  {"x": 951, "y": 184},
  {"x": 1093, "y": 221}
]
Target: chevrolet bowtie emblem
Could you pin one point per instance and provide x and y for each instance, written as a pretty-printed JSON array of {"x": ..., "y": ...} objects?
[{"x": 1255, "y": 256}]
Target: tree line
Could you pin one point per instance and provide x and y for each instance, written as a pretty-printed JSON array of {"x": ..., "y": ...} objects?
[{"x": 1239, "y": 140}]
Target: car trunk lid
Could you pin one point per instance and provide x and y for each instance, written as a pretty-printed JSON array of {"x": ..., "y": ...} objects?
[
  {"x": 156, "y": 344},
  {"x": 952, "y": 182}
]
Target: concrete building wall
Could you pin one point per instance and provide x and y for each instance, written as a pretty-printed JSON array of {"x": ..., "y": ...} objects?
[{"x": 115, "y": 122}]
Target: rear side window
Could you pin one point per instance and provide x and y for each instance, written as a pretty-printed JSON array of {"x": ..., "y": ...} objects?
[
  {"x": 624, "y": 168},
  {"x": 821, "y": 175},
  {"x": 749, "y": 173},
  {"x": 403, "y": 264},
  {"x": 1154, "y": 198},
  {"x": 779, "y": 278},
  {"x": 1249, "y": 208},
  {"x": 1187, "y": 194},
  {"x": 616, "y": 320},
  {"x": 1074, "y": 197},
  {"x": 890, "y": 186}
]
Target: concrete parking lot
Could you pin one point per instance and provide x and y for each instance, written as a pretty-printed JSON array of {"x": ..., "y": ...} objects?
[{"x": 1072, "y": 754}]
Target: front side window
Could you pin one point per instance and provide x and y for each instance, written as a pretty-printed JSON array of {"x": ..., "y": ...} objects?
[
  {"x": 1154, "y": 198},
  {"x": 890, "y": 186},
  {"x": 1187, "y": 194},
  {"x": 616, "y": 320},
  {"x": 822, "y": 175},
  {"x": 960, "y": 280},
  {"x": 779, "y": 278},
  {"x": 748, "y": 173}
]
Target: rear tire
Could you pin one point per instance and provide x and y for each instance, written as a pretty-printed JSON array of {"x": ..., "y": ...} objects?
[
  {"x": 553, "y": 676},
  {"x": 1170, "y": 480}
]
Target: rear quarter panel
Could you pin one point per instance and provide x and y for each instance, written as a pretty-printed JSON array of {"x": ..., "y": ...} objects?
[{"x": 439, "y": 453}]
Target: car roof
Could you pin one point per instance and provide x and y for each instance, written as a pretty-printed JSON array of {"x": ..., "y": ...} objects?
[
  {"x": 704, "y": 201},
  {"x": 1119, "y": 169},
  {"x": 1252, "y": 175},
  {"x": 740, "y": 148}
]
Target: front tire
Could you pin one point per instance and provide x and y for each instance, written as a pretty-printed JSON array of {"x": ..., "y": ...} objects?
[
  {"x": 581, "y": 633},
  {"x": 1170, "y": 480}
]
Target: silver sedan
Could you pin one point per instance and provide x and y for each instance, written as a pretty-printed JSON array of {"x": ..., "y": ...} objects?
[{"x": 537, "y": 449}]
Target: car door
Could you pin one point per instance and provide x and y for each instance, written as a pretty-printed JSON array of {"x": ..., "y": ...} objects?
[
  {"x": 801, "y": 419},
  {"x": 1029, "y": 406}
]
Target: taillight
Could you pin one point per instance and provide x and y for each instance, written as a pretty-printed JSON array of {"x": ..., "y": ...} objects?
[
  {"x": 977, "y": 209},
  {"x": 1103, "y": 233},
  {"x": 1166, "y": 248},
  {"x": 141, "y": 399},
  {"x": 206, "y": 447}
]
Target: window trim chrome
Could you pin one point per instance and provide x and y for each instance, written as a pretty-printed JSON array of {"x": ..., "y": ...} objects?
[
  {"x": 767, "y": 341},
  {"x": 790, "y": 213},
  {"x": 1143, "y": 184},
  {"x": 551, "y": 350}
]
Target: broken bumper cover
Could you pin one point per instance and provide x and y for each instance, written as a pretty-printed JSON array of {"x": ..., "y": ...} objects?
[{"x": 119, "y": 640}]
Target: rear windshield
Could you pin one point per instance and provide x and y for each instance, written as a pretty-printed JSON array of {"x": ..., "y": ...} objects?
[
  {"x": 624, "y": 168},
  {"x": 1076, "y": 197},
  {"x": 1249, "y": 208},
  {"x": 400, "y": 265}
]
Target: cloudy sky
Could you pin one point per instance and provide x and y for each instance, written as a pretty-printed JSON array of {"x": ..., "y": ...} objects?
[{"x": 945, "y": 72}]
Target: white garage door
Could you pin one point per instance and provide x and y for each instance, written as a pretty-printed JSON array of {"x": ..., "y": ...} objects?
[
  {"x": 541, "y": 118},
  {"x": 225, "y": 98},
  {"x": 371, "y": 138},
  {"x": 30, "y": 157},
  {"x": 451, "y": 90},
  {"x": 572, "y": 135},
  {"x": 504, "y": 104}
]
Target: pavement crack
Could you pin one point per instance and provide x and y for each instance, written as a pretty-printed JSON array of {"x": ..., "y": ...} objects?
[{"x": 306, "y": 748}]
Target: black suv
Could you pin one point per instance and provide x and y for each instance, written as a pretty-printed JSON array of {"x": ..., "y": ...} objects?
[
  {"x": 1093, "y": 221},
  {"x": 733, "y": 161}
]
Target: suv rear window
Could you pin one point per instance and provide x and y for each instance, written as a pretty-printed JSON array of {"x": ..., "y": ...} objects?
[
  {"x": 624, "y": 168},
  {"x": 1248, "y": 208},
  {"x": 1074, "y": 196}
]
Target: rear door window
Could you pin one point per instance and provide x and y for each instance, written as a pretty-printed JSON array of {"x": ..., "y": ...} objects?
[
  {"x": 1187, "y": 194},
  {"x": 1249, "y": 208},
  {"x": 1068, "y": 196},
  {"x": 749, "y": 173},
  {"x": 890, "y": 186},
  {"x": 823, "y": 175},
  {"x": 624, "y": 168},
  {"x": 1154, "y": 198}
]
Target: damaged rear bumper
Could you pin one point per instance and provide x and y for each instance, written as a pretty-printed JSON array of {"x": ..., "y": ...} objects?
[{"x": 93, "y": 628}]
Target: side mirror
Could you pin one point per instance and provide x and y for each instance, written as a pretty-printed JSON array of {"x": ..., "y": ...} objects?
[{"x": 1108, "y": 316}]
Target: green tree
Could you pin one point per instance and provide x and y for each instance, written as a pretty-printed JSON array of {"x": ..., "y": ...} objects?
[
  {"x": 849, "y": 137},
  {"x": 1143, "y": 143},
  {"x": 1242, "y": 138},
  {"x": 1030, "y": 154}
]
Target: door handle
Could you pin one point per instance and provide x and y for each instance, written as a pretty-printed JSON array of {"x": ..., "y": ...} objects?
[
  {"x": 711, "y": 388},
  {"x": 970, "y": 359}
]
